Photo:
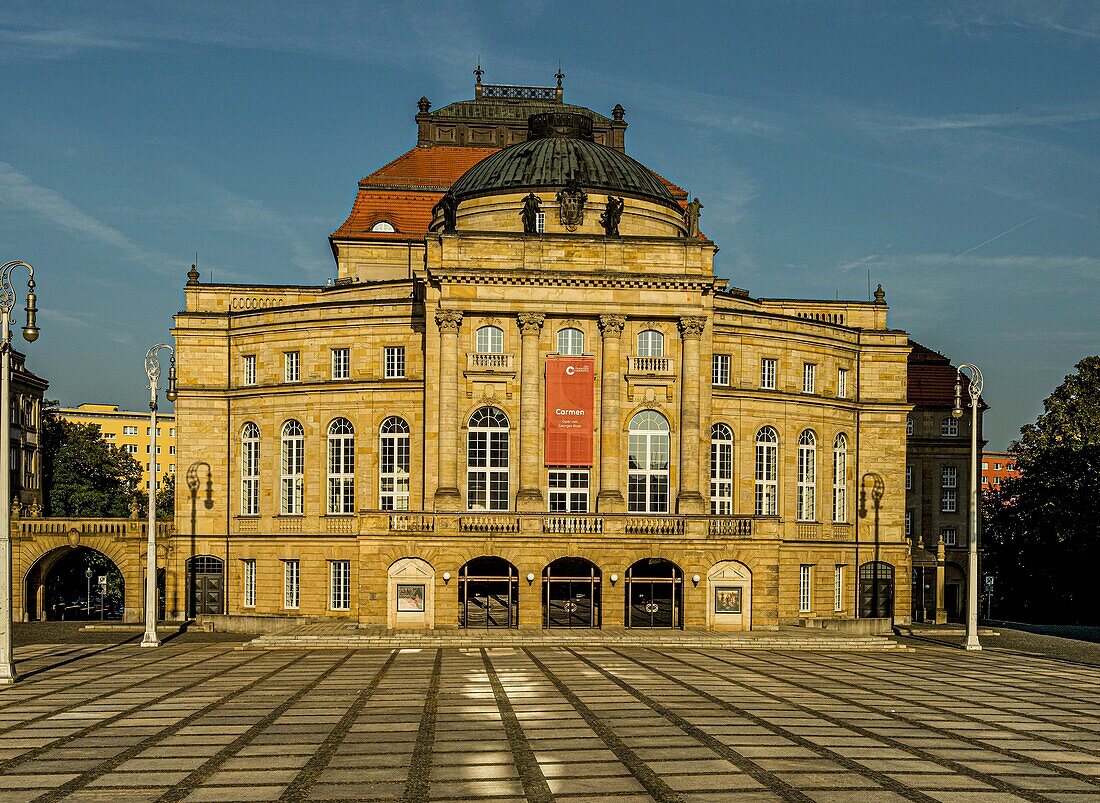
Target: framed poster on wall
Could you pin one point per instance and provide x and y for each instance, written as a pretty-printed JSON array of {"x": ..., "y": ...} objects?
[
  {"x": 410, "y": 598},
  {"x": 727, "y": 599}
]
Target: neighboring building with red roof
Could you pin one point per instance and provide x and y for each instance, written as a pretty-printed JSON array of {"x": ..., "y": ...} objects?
[{"x": 937, "y": 485}]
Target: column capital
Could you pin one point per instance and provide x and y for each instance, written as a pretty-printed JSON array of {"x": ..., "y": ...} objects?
[
  {"x": 530, "y": 323},
  {"x": 448, "y": 320},
  {"x": 691, "y": 327},
  {"x": 612, "y": 325}
]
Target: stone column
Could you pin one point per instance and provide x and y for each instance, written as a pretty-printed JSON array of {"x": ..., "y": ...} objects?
[
  {"x": 447, "y": 496},
  {"x": 941, "y": 566},
  {"x": 610, "y": 498},
  {"x": 529, "y": 497},
  {"x": 689, "y": 500}
]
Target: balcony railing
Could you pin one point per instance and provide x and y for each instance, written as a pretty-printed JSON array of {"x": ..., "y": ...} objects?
[
  {"x": 730, "y": 526},
  {"x": 655, "y": 525},
  {"x": 573, "y": 525},
  {"x": 649, "y": 365},
  {"x": 808, "y": 531},
  {"x": 488, "y": 524},
  {"x": 476, "y": 361},
  {"x": 412, "y": 523}
]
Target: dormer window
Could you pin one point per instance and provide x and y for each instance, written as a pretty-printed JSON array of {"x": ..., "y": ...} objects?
[{"x": 383, "y": 226}]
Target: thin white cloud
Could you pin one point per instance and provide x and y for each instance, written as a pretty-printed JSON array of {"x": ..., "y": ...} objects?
[
  {"x": 1074, "y": 20},
  {"x": 21, "y": 192}
]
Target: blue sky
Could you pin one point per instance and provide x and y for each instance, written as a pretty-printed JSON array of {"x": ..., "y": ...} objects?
[{"x": 951, "y": 149}]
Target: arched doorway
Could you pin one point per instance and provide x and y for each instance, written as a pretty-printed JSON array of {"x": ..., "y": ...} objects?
[
  {"x": 876, "y": 590},
  {"x": 571, "y": 593},
  {"x": 488, "y": 593},
  {"x": 730, "y": 590},
  {"x": 74, "y": 583},
  {"x": 654, "y": 594},
  {"x": 411, "y": 594},
  {"x": 205, "y": 585}
]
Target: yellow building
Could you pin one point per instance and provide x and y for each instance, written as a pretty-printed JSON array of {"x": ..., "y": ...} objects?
[
  {"x": 129, "y": 431},
  {"x": 526, "y": 400}
]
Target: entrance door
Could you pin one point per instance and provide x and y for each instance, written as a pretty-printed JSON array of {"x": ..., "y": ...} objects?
[
  {"x": 488, "y": 594},
  {"x": 876, "y": 590},
  {"x": 654, "y": 594},
  {"x": 571, "y": 593},
  {"x": 206, "y": 585}
]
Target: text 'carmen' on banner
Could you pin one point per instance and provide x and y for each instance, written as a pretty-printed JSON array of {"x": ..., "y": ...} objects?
[{"x": 570, "y": 383}]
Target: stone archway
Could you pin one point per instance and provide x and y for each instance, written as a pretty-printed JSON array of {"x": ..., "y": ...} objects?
[
  {"x": 729, "y": 596},
  {"x": 58, "y": 586},
  {"x": 411, "y": 594}
]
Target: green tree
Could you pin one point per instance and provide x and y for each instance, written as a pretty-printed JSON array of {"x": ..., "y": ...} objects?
[
  {"x": 82, "y": 474},
  {"x": 1042, "y": 532},
  {"x": 166, "y": 497}
]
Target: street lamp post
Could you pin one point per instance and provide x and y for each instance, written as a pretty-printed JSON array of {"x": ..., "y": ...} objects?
[
  {"x": 974, "y": 389},
  {"x": 88, "y": 599},
  {"x": 152, "y": 370},
  {"x": 30, "y": 334}
]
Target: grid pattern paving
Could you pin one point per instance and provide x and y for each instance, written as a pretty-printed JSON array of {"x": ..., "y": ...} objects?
[{"x": 206, "y": 722}]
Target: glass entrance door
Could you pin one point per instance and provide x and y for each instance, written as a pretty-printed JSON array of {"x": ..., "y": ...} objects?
[
  {"x": 488, "y": 594},
  {"x": 571, "y": 593},
  {"x": 654, "y": 594}
]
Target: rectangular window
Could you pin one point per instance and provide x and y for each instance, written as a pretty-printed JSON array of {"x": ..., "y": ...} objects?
[
  {"x": 172, "y": 432},
  {"x": 291, "y": 367},
  {"x": 720, "y": 370},
  {"x": 950, "y": 536},
  {"x": 949, "y": 427},
  {"x": 950, "y": 476},
  {"x": 809, "y": 372},
  {"x": 908, "y": 478},
  {"x": 949, "y": 501},
  {"x": 804, "y": 588},
  {"x": 108, "y": 436},
  {"x": 129, "y": 430},
  {"x": 171, "y": 450},
  {"x": 985, "y": 466},
  {"x": 909, "y": 426},
  {"x": 908, "y": 523},
  {"x": 395, "y": 362},
  {"x": 996, "y": 466},
  {"x": 540, "y": 222},
  {"x": 838, "y": 588},
  {"x": 291, "y": 584},
  {"x": 568, "y": 491},
  {"x": 767, "y": 374},
  {"x": 339, "y": 585},
  {"x": 842, "y": 383},
  {"x": 248, "y": 369},
  {"x": 130, "y": 448},
  {"x": 341, "y": 363},
  {"x": 248, "y": 592}
]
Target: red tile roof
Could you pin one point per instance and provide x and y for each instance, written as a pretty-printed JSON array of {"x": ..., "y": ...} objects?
[
  {"x": 931, "y": 379},
  {"x": 404, "y": 191}
]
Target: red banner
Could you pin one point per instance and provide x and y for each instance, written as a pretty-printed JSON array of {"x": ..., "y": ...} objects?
[{"x": 569, "y": 400}]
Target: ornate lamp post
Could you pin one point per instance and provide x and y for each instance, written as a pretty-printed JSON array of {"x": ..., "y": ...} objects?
[
  {"x": 152, "y": 370},
  {"x": 975, "y": 391},
  {"x": 30, "y": 334}
]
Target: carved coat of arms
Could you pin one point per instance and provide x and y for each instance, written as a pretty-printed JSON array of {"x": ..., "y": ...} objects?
[{"x": 571, "y": 200}]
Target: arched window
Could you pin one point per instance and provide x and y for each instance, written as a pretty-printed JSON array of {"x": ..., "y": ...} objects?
[
  {"x": 383, "y": 225},
  {"x": 840, "y": 478},
  {"x": 393, "y": 465},
  {"x": 293, "y": 467},
  {"x": 767, "y": 474},
  {"x": 250, "y": 470},
  {"x": 487, "y": 460},
  {"x": 341, "y": 467},
  {"x": 721, "y": 470},
  {"x": 651, "y": 343},
  {"x": 490, "y": 340},
  {"x": 571, "y": 342},
  {"x": 807, "y": 476},
  {"x": 647, "y": 474}
]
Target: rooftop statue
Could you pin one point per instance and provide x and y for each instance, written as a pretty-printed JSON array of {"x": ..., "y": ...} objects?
[
  {"x": 448, "y": 207},
  {"x": 691, "y": 218},
  {"x": 611, "y": 216},
  {"x": 530, "y": 213}
]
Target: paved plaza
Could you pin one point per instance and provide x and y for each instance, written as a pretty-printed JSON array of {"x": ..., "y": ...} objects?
[{"x": 208, "y": 721}]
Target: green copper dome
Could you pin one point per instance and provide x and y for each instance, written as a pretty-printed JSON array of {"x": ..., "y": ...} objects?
[{"x": 559, "y": 147}]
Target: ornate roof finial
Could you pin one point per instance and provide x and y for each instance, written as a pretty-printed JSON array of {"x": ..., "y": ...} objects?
[
  {"x": 618, "y": 112},
  {"x": 880, "y": 294},
  {"x": 559, "y": 74},
  {"x": 478, "y": 72},
  {"x": 193, "y": 276},
  {"x": 424, "y": 104}
]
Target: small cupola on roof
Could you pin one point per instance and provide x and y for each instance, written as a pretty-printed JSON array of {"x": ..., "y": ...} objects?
[{"x": 560, "y": 150}]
